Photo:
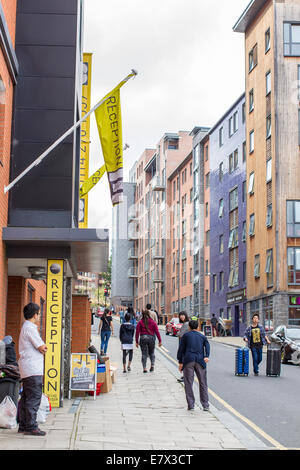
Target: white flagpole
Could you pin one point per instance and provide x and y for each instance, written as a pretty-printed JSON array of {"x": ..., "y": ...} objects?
[{"x": 58, "y": 141}]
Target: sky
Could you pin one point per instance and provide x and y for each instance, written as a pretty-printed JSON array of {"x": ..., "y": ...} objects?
[{"x": 190, "y": 67}]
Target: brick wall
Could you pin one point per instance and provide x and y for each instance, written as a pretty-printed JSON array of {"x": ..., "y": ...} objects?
[
  {"x": 17, "y": 297},
  {"x": 81, "y": 323}
]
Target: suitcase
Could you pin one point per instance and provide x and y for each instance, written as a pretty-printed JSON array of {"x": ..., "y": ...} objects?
[
  {"x": 273, "y": 362},
  {"x": 242, "y": 361}
]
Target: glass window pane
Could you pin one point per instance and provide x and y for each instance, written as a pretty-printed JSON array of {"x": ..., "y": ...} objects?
[
  {"x": 295, "y": 49},
  {"x": 286, "y": 32},
  {"x": 269, "y": 170},
  {"x": 297, "y": 259},
  {"x": 291, "y": 258},
  {"x": 297, "y": 212},
  {"x": 290, "y": 212},
  {"x": 296, "y": 33},
  {"x": 286, "y": 49}
]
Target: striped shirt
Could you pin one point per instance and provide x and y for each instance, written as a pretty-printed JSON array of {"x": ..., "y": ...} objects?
[{"x": 31, "y": 361}]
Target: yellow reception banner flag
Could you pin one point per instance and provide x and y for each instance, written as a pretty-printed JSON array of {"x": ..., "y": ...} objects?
[
  {"x": 109, "y": 123},
  {"x": 54, "y": 308},
  {"x": 92, "y": 181},
  {"x": 85, "y": 136}
]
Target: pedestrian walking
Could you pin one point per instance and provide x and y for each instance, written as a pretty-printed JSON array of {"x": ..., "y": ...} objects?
[
  {"x": 255, "y": 337},
  {"x": 152, "y": 313},
  {"x": 31, "y": 365},
  {"x": 121, "y": 316},
  {"x": 126, "y": 337},
  {"x": 214, "y": 323},
  {"x": 106, "y": 329},
  {"x": 193, "y": 355},
  {"x": 132, "y": 316},
  {"x": 184, "y": 320},
  {"x": 146, "y": 331}
]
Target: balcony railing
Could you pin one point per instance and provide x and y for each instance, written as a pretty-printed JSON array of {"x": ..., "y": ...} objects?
[
  {"x": 158, "y": 184},
  {"x": 132, "y": 273},
  {"x": 132, "y": 253}
]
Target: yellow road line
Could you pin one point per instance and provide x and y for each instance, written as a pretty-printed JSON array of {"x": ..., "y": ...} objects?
[{"x": 252, "y": 425}]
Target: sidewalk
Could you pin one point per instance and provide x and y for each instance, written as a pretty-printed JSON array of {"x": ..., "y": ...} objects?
[{"x": 143, "y": 411}]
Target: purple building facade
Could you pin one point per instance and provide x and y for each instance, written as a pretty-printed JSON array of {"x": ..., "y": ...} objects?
[{"x": 227, "y": 213}]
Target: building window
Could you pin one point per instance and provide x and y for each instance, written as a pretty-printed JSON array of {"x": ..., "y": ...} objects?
[
  {"x": 251, "y": 100},
  {"x": 243, "y": 113},
  {"x": 251, "y": 183},
  {"x": 221, "y": 244},
  {"x": 268, "y": 83},
  {"x": 244, "y": 151},
  {"x": 207, "y": 238},
  {"x": 252, "y": 225},
  {"x": 291, "y": 34},
  {"x": 221, "y": 137},
  {"x": 233, "y": 279},
  {"x": 233, "y": 238},
  {"x": 253, "y": 58},
  {"x": 269, "y": 220},
  {"x": 294, "y": 265},
  {"x": 221, "y": 281},
  {"x": 233, "y": 199},
  {"x": 221, "y": 208},
  {"x": 257, "y": 266},
  {"x": 293, "y": 219},
  {"x": 214, "y": 283},
  {"x": 207, "y": 180},
  {"x": 294, "y": 310},
  {"x": 30, "y": 293},
  {"x": 244, "y": 191},
  {"x": 235, "y": 121},
  {"x": 244, "y": 231},
  {"x": 251, "y": 142},
  {"x": 267, "y": 40},
  {"x": 230, "y": 127},
  {"x": 269, "y": 170},
  {"x": 244, "y": 271},
  {"x": 221, "y": 171},
  {"x": 268, "y": 127},
  {"x": 269, "y": 268}
]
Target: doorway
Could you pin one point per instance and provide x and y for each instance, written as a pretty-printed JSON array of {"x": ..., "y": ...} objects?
[{"x": 236, "y": 320}]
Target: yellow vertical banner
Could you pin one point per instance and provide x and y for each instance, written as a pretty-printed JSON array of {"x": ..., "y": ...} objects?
[
  {"x": 52, "y": 373},
  {"x": 85, "y": 137}
]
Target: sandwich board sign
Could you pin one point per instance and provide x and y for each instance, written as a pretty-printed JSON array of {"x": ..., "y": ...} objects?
[{"x": 83, "y": 373}]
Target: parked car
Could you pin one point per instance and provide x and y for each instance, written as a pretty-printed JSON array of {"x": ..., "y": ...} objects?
[
  {"x": 173, "y": 327},
  {"x": 288, "y": 338}
]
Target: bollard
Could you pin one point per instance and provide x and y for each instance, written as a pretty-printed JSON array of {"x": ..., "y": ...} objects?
[{"x": 2, "y": 353}]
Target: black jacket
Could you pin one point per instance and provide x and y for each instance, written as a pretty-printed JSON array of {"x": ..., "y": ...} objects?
[
  {"x": 126, "y": 333},
  {"x": 193, "y": 347}
]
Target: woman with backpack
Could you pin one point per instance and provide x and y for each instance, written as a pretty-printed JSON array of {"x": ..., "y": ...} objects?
[
  {"x": 146, "y": 331},
  {"x": 126, "y": 337},
  {"x": 106, "y": 328}
]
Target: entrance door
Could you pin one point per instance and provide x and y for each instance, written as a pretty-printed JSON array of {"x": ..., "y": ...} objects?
[{"x": 236, "y": 320}]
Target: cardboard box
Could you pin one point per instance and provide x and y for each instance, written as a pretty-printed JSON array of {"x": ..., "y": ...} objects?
[{"x": 105, "y": 378}]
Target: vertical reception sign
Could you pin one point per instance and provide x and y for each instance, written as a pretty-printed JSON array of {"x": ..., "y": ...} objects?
[
  {"x": 52, "y": 378},
  {"x": 85, "y": 137}
]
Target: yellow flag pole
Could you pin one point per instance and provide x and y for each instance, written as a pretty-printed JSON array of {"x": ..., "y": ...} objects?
[{"x": 68, "y": 132}]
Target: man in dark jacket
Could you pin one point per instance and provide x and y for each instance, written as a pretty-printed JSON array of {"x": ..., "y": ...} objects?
[{"x": 193, "y": 355}]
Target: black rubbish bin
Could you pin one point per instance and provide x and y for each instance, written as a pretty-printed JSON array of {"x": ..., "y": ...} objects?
[{"x": 10, "y": 387}]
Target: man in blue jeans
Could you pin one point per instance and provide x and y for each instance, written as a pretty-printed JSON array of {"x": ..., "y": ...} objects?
[{"x": 255, "y": 337}]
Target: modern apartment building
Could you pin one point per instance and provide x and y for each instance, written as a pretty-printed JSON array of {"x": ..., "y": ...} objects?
[
  {"x": 180, "y": 183},
  {"x": 149, "y": 222},
  {"x": 201, "y": 222},
  {"x": 272, "y": 48},
  {"x": 227, "y": 214}
]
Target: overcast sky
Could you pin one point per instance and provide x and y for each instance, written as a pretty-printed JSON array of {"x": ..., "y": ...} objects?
[{"x": 190, "y": 70}]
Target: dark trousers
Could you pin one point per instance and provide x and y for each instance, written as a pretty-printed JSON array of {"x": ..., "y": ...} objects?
[
  {"x": 189, "y": 371},
  {"x": 30, "y": 402},
  {"x": 128, "y": 352},
  {"x": 257, "y": 358},
  {"x": 147, "y": 343}
]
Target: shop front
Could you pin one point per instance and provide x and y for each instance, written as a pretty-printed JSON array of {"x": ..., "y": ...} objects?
[{"x": 236, "y": 307}]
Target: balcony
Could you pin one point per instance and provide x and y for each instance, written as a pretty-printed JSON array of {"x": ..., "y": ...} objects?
[
  {"x": 132, "y": 273},
  {"x": 157, "y": 184},
  {"x": 158, "y": 277},
  {"x": 132, "y": 235},
  {"x": 158, "y": 253},
  {"x": 132, "y": 214},
  {"x": 132, "y": 254}
]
